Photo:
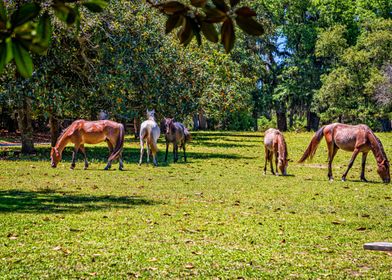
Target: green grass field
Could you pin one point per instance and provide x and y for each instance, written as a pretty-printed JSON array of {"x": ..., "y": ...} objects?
[{"x": 216, "y": 216}]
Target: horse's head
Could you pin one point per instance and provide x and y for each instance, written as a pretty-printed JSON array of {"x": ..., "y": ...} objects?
[
  {"x": 282, "y": 165},
  {"x": 167, "y": 125},
  {"x": 55, "y": 157},
  {"x": 383, "y": 170},
  {"x": 151, "y": 114}
]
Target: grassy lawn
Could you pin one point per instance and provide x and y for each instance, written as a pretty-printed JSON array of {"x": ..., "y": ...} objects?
[{"x": 216, "y": 216}]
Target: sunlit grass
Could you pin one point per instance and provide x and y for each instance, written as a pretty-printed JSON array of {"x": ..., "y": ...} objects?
[{"x": 215, "y": 216}]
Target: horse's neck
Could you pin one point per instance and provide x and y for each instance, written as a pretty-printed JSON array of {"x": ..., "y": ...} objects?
[
  {"x": 282, "y": 147},
  {"x": 62, "y": 142},
  {"x": 376, "y": 147}
]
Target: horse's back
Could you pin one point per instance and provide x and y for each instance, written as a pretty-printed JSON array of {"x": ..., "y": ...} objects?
[
  {"x": 269, "y": 137},
  {"x": 347, "y": 137}
]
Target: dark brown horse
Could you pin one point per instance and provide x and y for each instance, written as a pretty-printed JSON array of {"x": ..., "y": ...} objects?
[
  {"x": 176, "y": 133},
  {"x": 351, "y": 138},
  {"x": 274, "y": 144},
  {"x": 82, "y": 132}
]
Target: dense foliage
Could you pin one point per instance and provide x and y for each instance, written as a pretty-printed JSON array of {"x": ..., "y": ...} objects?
[{"x": 313, "y": 61}]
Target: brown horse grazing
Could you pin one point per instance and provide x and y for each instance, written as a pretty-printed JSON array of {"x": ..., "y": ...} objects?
[
  {"x": 82, "y": 132},
  {"x": 351, "y": 138},
  {"x": 274, "y": 144},
  {"x": 176, "y": 133}
]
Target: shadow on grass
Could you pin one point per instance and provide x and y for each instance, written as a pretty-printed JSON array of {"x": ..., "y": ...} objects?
[
  {"x": 50, "y": 201},
  {"x": 101, "y": 153}
]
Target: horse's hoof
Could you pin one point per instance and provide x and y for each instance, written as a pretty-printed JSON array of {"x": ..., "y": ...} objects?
[
  {"x": 364, "y": 180},
  {"x": 121, "y": 168},
  {"x": 72, "y": 167},
  {"x": 331, "y": 179},
  {"x": 85, "y": 168},
  {"x": 343, "y": 179}
]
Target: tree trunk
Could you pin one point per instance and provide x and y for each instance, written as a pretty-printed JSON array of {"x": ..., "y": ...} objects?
[
  {"x": 195, "y": 122},
  {"x": 291, "y": 119},
  {"x": 281, "y": 119},
  {"x": 202, "y": 120},
  {"x": 386, "y": 125},
  {"x": 25, "y": 127},
  {"x": 313, "y": 121},
  {"x": 136, "y": 127},
  {"x": 255, "y": 118},
  {"x": 54, "y": 129}
]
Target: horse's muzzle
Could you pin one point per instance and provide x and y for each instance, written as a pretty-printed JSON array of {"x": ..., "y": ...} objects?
[{"x": 53, "y": 165}]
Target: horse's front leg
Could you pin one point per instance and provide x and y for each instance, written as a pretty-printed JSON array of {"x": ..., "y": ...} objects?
[
  {"x": 74, "y": 155},
  {"x": 364, "y": 156},
  {"x": 276, "y": 163},
  {"x": 175, "y": 152},
  {"x": 350, "y": 164},
  {"x": 271, "y": 158},
  {"x": 167, "y": 150},
  {"x": 83, "y": 150}
]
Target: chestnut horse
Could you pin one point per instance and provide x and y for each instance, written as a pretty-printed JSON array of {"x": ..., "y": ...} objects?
[
  {"x": 274, "y": 144},
  {"x": 82, "y": 132},
  {"x": 351, "y": 138},
  {"x": 149, "y": 133},
  {"x": 176, "y": 133}
]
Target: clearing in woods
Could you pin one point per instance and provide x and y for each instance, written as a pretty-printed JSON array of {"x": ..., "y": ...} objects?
[{"x": 215, "y": 216}]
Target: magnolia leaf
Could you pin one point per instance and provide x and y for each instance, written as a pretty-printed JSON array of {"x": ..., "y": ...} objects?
[
  {"x": 221, "y": 5},
  {"x": 250, "y": 26},
  {"x": 95, "y": 6},
  {"x": 173, "y": 22},
  {"x": 23, "y": 61},
  {"x": 245, "y": 12},
  {"x": 25, "y": 13},
  {"x": 3, "y": 56},
  {"x": 228, "y": 35},
  {"x": 44, "y": 31},
  {"x": 186, "y": 32},
  {"x": 234, "y": 3},
  {"x": 3, "y": 14},
  {"x": 172, "y": 7},
  {"x": 198, "y": 3},
  {"x": 214, "y": 15},
  {"x": 209, "y": 31}
]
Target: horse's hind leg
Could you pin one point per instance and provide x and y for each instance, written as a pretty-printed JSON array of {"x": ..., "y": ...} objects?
[
  {"x": 110, "y": 146},
  {"x": 148, "y": 152},
  {"x": 141, "y": 151},
  {"x": 83, "y": 150},
  {"x": 266, "y": 159},
  {"x": 332, "y": 150},
  {"x": 276, "y": 163},
  {"x": 183, "y": 147},
  {"x": 350, "y": 164},
  {"x": 120, "y": 162},
  {"x": 364, "y": 156}
]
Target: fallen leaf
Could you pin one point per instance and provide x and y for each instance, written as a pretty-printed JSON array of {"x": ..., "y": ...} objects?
[
  {"x": 361, "y": 228},
  {"x": 189, "y": 266}
]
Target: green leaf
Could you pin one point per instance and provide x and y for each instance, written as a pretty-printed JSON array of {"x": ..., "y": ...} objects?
[
  {"x": 172, "y": 7},
  {"x": 23, "y": 61},
  {"x": 221, "y": 5},
  {"x": 10, "y": 56},
  {"x": 44, "y": 30},
  {"x": 214, "y": 15},
  {"x": 186, "y": 32},
  {"x": 172, "y": 22},
  {"x": 25, "y": 13},
  {"x": 198, "y": 3},
  {"x": 245, "y": 12},
  {"x": 234, "y": 3},
  {"x": 250, "y": 26},
  {"x": 3, "y": 13},
  {"x": 209, "y": 31},
  {"x": 95, "y": 6},
  {"x": 228, "y": 35},
  {"x": 65, "y": 13},
  {"x": 3, "y": 56}
]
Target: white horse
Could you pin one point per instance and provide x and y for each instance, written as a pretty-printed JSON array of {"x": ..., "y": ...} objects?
[{"x": 149, "y": 133}]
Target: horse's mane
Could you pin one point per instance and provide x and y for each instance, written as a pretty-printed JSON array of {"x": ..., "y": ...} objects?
[
  {"x": 285, "y": 153},
  {"x": 65, "y": 131},
  {"x": 383, "y": 154}
]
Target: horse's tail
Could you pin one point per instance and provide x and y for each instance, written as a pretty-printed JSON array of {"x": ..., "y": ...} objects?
[
  {"x": 119, "y": 145},
  {"x": 311, "y": 150},
  {"x": 188, "y": 136}
]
